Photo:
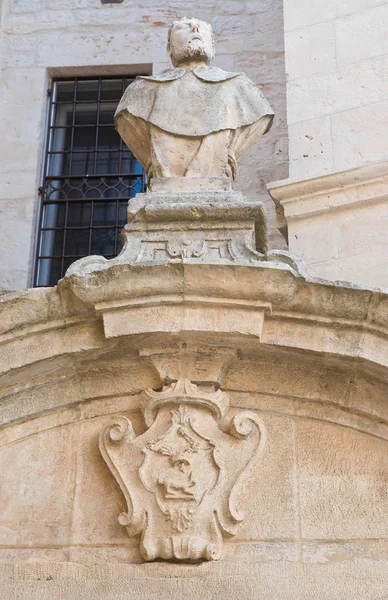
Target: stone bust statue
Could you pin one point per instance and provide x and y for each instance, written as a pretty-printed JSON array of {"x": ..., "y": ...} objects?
[{"x": 192, "y": 120}]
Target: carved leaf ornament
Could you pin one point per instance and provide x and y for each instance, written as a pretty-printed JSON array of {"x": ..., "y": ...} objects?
[{"x": 184, "y": 478}]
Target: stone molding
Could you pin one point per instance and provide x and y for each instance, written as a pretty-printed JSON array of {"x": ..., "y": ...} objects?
[
  {"x": 217, "y": 312},
  {"x": 300, "y": 199}
]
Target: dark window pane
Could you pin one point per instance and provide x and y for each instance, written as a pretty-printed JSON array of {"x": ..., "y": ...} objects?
[
  {"x": 106, "y": 116},
  {"x": 65, "y": 91},
  {"x": 103, "y": 241},
  {"x": 81, "y": 163},
  {"x": 66, "y": 264},
  {"x": 87, "y": 91},
  {"x": 85, "y": 114},
  {"x": 77, "y": 242},
  {"x": 107, "y": 163},
  {"x": 119, "y": 243},
  {"x": 129, "y": 163},
  {"x": 104, "y": 213},
  {"x": 84, "y": 138},
  {"x": 111, "y": 90},
  {"x": 122, "y": 218},
  {"x": 79, "y": 214},
  {"x": 108, "y": 138}
]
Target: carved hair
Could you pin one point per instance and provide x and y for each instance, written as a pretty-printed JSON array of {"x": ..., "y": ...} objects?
[{"x": 187, "y": 20}]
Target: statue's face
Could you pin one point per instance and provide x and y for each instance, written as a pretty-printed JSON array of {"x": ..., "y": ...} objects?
[{"x": 191, "y": 39}]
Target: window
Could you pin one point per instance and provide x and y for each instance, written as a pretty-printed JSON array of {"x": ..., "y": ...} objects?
[{"x": 89, "y": 176}]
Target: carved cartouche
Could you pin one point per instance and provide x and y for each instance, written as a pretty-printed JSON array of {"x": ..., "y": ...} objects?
[{"x": 184, "y": 478}]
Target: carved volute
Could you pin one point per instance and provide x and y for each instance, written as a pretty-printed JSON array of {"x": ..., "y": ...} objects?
[{"x": 184, "y": 478}]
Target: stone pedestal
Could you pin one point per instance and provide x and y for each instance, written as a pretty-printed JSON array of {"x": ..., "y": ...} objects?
[{"x": 209, "y": 226}]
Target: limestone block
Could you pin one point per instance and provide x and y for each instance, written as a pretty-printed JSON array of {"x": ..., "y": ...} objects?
[
  {"x": 351, "y": 580},
  {"x": 271, "y": 510},
  {"x": 326, "y": 251},
  {"x": 310, "y": 50},
  {"x": 49, "y": 393},
  {"x": 170, "y": 318},
  {"x": 350, "y": 87},
  {"x": 117, "y": 376},
  {"x": 293, "y": 380},
  {"x": 301, "y": 13},
  {"x": 334, "y": 551},
  {"x": 16, "y": 184},
  {"x": 95, "y": 49},
  {"x": 19, "y": 351},
  {"x": 25, "y": 6},
  {"x": 18, "y": 51},
  {"x": 36, "y": 504},
  {"x": 125, "y": 553},
  {"x": 16, "y": 217},
  {"x": 33, "y": 555},
  {"x": 270, "y": 30},
  {"x": 353, "y": 143},
  {"x": 15, "y": 279},
  {"x": 342, "y": 483},
  {"x": 344, "y": 269},
  {"x": 259, "y": 552},
  {"x": 361, "y": 35},
  {"x": 98, "y": 500},
  {"x": 311, "y": 151}
]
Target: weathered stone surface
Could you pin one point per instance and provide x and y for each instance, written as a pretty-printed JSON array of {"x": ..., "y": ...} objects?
[
  {"x": 336, "y": 91},
  {"x": 192, "y": 121},
  {"x": 346, "y": 211},
  {"x": 355, "y": 580},
  {"x": 184, "y": 480},
  {"x": 314, "y": 373},
  {"x": 209, "y": 226}
]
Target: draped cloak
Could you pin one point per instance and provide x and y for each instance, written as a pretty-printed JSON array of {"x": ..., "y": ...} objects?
[
  {"x": 192, "y": 104},
  {"x": 213, "y": 100}
]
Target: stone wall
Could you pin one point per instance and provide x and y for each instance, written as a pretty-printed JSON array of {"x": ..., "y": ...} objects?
[
  {"x": 308, "y": 358},
  {"x": 45, "y": 38},
  {"x": 337, "y": 91},
  {"x": 335, "y": 201}
]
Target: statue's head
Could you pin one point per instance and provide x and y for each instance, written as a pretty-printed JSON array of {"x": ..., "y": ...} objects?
[{"x": 190, "y": 39}]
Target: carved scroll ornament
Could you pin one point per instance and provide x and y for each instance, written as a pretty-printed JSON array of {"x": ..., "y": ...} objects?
[{"x": 184, "y": 478}]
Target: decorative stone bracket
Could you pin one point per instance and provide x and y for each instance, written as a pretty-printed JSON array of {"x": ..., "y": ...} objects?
[{"x": 184, "y": 479}]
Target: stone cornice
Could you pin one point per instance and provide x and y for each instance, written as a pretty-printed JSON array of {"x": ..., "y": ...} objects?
[
  {"x": 254, "y": 304},
  {"x": 147, "y": 315},
  {"x": 305, "y": 198}
]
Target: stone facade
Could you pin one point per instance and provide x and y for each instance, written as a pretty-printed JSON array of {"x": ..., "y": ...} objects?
[
  {"x": 337, "y": 95},
  {"x": 199, "y": 417},
  {"x": 337, "y": 107},
  {"x": 308, "y": 359}
]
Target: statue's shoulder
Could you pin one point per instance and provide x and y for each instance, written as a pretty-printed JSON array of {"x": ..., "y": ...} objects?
[
  {"x": 214, "y": 74},
  {"x": 208, "y": 74},
  {"x": 165, "y": 75}
]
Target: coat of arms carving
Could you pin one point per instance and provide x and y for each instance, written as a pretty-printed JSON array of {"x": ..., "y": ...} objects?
[{"x": 184, "y": 478}]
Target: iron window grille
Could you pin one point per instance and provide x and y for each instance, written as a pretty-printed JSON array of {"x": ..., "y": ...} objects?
[{"x": 89, "y": 176}]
